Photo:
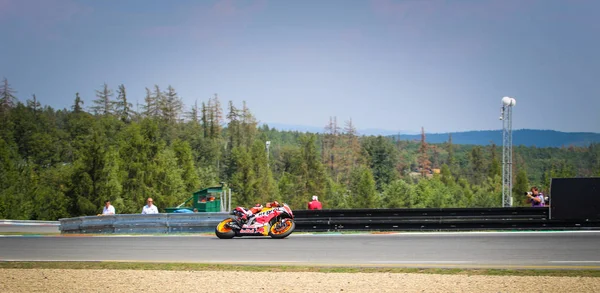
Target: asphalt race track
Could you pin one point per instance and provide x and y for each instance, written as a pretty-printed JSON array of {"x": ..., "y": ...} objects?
[{"x": 543, "y": 250}]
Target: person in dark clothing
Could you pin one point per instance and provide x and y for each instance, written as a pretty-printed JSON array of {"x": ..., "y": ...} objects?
[{"x": 536, "y": 198}]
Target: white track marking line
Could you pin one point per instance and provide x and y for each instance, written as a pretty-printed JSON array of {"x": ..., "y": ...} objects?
[
  {"x": 469, "y": 233},
  {"x": 421, "y": 261},
  {"x": 574, "y": 261},
  {"x": 254, "y": 261}
]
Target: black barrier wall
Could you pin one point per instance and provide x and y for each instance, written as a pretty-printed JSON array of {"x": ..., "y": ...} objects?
[{"x": 575, "y": 199}]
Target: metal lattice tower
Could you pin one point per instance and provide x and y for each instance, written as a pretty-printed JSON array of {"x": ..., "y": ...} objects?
[{"x": 507, "y": 174}]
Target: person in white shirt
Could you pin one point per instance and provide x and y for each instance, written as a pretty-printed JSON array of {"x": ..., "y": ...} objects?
[
  {"x": 149, "y": 208},
  {"x": 108, "y": 209}
]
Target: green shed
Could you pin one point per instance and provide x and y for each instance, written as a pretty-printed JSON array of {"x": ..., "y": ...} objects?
[{"x": 204, "y": 200}]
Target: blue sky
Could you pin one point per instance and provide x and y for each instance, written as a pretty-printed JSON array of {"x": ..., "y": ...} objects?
[{"x": 389, "y": 64}]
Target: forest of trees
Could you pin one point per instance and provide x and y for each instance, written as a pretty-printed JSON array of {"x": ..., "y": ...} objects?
[{"x": 63, "y": 163}]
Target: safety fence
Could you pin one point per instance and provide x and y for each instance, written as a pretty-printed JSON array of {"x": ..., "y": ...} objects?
[
  {"x": 28, "y": 227},
  {"x": 340, "y": 220},
  {"x": 441, "y": 219},
  {"x": 28, "y": 223},
  {"x": 143, "y": 224}
]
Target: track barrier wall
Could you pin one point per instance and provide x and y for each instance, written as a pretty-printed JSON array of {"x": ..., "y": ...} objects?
[
  {"x": 339, "y": 220},
  {"x": 575, "y": 198}
]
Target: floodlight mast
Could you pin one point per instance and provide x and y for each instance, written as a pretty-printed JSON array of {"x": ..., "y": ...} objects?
[{"x": 507, "y": 175}]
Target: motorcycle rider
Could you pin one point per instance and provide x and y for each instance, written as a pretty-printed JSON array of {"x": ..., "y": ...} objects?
[{"x": 249, "y": 215}]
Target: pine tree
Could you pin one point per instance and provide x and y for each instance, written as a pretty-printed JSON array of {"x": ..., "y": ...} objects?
[
  {"x": 34, "y": 104},
  {"x": 265, "y": 188},
  {"x": 477, "y": 165},
  {"x": 168, "y": 183},
  {"x": 110, "y": 185},
  {"x": 205, "y": 121},
  {"x": 159, "y": 101},
  {"x": 233, "y": 127},
  {"x": 310, "y": 171},
  {"x": 446, "y": 175},
  {"x": 77, "y": 108},
  {"x": 151, "y": 104},
  {"x": 364, "y": 194},
  {"x": 494, "y": 169},
  {"x": 103, "y": 105},
  {"x": 382, "y": 157},
  {"x": 424, "y": 163},
  {"x": 171, "y": 105},
  {"x": 451, "y": 161},
  {"x": 337, "y": 196},
  {"x": 352, "y": 143},
  {"x": 332, "y": 148},
  {"x": 49, "y": 200},
  {"x": 435, "y": 160},
  {"x": 194, "y": 113},
  {"x": 351, "y": 155},
  {"x": 7, "y": 97},
  {"x": 87, "y": 177},
  {"x": 243, "y": 179},
  {"x": 521, "y": 186},
  {"x": 10, "y": 175},
  {"x": 123, "y": 107},
  {"x": 248, "y": 126},
  {"x": 185, "y": 162},
  {"x": 423, "y": 194},
  {"x": 137, "y": 151},
  {"x": 443, "y": 196},
  {"x": 215, "y": 116},
  {"x": 398, "y": 194}
]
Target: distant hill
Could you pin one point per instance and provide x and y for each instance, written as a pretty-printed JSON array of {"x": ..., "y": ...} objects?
[
  {"x": 526, "y": 137},
  {"x": 315, "y": 129}
]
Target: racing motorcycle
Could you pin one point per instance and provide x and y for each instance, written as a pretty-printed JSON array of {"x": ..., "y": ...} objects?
[{"x": 276, "y": 221}]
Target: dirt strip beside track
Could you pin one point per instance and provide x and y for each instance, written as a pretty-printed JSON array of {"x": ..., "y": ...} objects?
[{"x": 55, "y": 280}]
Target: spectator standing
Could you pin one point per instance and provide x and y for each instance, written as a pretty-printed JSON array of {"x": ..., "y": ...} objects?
[
  {"x": 315, "y": 204},
  {"x": 149, "y": 208},
  {"x": 536, "y": 198},
  {"x": 108, "y": 209}
]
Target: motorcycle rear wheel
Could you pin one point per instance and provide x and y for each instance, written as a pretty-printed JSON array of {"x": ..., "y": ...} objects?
[
  {"x": 223, "y": 231},
  {"x": 283, "y": 232}
]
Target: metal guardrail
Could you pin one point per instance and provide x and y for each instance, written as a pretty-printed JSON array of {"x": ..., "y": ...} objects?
[
  {"x": 525, "y": 212},
  {"x": 339, "y": 220},
  {"x": 28, "y": 227},
  {"x": 448, "y": 219},
  {"x": 138, "y": 223},
  {"x": 29, "y": 223}
]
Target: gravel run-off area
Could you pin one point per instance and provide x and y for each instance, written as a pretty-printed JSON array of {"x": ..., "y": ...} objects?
[{"x": 88, "y": 280}]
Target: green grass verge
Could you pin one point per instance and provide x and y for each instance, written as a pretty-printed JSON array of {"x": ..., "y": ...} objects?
[{"x": 269, "y": 268}]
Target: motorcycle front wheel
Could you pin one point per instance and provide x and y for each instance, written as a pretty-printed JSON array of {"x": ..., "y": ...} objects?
[
  {"x": 223, "y": 231},
  {"x": 282, "y": 230}
]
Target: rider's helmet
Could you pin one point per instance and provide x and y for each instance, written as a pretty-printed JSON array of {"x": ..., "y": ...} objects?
[
  {"x": 239, "y": 211},
  {"x": 273, "y": 204},
  {"x": 257, "y": 208}
]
